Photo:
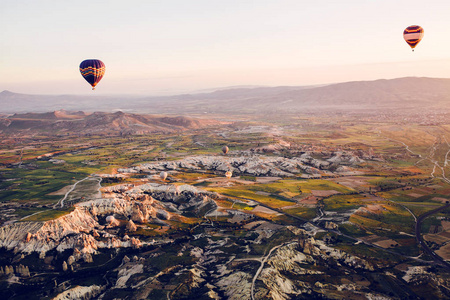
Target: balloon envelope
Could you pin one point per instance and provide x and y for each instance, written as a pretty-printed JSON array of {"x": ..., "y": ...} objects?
[
  {"x": 228, "y": 174},
  {"x": 225, "y": 149},
  {"x": 413, "y": 35},
  {"x": 110, "y": 219},
  {"x": 163, "y": 175},
  {"x": 92, "y": 70}
]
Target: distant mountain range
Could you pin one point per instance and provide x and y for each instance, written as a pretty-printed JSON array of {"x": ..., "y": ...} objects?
[
  {"x": 99, "y": 123},
  {"x": 401, "y": 93}
]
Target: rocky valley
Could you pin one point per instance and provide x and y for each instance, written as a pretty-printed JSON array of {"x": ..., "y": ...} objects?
[{"x": 309, "y": 210}]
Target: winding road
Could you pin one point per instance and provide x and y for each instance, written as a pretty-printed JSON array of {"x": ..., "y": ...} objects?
[
  {"x": 69, "y": 191},
  {"x": 422, "y": 243},
  {"x": 61, "y": 202}
]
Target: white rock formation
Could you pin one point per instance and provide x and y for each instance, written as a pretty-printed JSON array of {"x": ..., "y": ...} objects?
[
  {"x": 80, "y": 229},
  {"x": 414, "y": 273},
  {"x": 288, "y": 258},
  {"x": 45, "y": 235},
  {"x": 80, "y": 293},
  {"x": 257, "y": 165},
  {"x": 196, "y": 275},
  {"x": 279, "y": 286},
  {"x": 12, "y": 235},
  {"x": 131, "y": 227},
  {"x": 126, "y": 272},
  {"x": 237, "y": 286},
  {"x": 76, "y": 230}
]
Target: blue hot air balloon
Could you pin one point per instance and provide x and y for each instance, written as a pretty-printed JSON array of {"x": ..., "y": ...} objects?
[{"x": 92, "y": 70}]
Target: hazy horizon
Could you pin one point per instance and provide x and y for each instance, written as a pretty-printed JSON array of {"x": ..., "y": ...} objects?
[{"x": 205, "y": 90}]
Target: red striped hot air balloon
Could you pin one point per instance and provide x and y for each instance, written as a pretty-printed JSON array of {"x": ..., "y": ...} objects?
[
  {"x": 92, "y": 70},
  {"x": 413, "y": 35}
]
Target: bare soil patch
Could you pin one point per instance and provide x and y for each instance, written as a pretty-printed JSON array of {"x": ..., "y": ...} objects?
[
  {"x": 253, "y": 224},
  {"x": 434, "y": 186},
  {"x": 440, "y": 199},
  {"x": 267, "y": 179},
  {"x": 436, "y": 238},
  {"x": 388, "y": 243},
  {"x": 444, "y": 252},
  {"x": 319, "y": 193},
  {"x": 291, "y": 206},
  {"x": 380, "y": 241},
  {"x": 223, "y": 181},
  {"x": 265, "y": 210},
  {"x": 415, "y": 195},
  {"x": 310, "y": 200},
  {"x": 372, "y": 238},
  {"x": 445, "y": 225},
  {"x": 374, "y": 208},
  {"x": 60, "y": 192},
  {"x": 352, "y": 182}
]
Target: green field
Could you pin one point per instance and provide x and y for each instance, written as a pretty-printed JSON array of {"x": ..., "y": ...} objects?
[
  {"x": 293, "y": 188},
  {"x": 244, "y": 193},
  {"x": 393, "y": 218},
  {"x": 341, "y": 203},
  {"x": 303, "y": 212},
  {"x": 48, "y": 215},
  {"x": 281, "y": 193},
  {"x": 25, "y": 186}
]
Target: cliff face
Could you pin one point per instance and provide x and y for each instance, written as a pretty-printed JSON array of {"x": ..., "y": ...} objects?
[
  {"x": 73, "y": 231},
  {"x": 84, "y": 228},
  {"x": 43, "y": 236},
  {"x": 11, "y": 235},
  {"x": 53, "y": 233}
]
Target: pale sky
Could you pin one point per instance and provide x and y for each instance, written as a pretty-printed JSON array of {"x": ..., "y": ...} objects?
[{"x": 172, "y": 46}]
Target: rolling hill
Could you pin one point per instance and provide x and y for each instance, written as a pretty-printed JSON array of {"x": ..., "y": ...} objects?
[
  {"x": 101, "y": 123},
  {"x": 400, "y": 93}
]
